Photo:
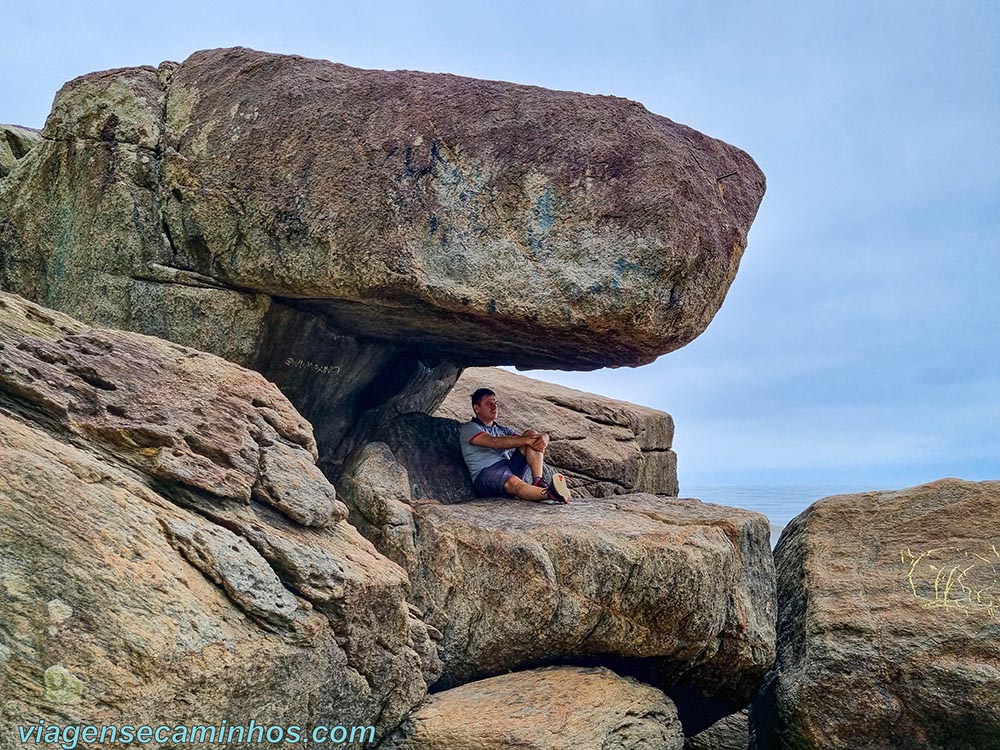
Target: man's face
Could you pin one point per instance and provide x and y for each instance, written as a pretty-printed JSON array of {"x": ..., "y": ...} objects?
[{"x": 486, "y": 409}]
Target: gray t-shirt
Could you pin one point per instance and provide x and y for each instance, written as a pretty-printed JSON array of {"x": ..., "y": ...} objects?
[{"x": 478, "y": 457}]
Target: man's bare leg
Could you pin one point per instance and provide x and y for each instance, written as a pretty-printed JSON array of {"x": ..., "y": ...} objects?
[
  {"x": 521, "y": 489},
  {"x": 535, "y": 457}
]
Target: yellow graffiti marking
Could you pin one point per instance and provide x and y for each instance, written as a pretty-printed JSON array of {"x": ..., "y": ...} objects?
[{"x": 952, "y": 578}]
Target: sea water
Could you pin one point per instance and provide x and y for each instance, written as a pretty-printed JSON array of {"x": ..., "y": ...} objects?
[{"x": 780, "y": 503}]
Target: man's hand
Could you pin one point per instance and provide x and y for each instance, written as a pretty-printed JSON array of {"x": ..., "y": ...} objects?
[{"x": 537, "y": 441}]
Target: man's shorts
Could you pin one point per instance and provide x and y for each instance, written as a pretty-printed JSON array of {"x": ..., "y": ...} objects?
[{"x": 490, "y": 481}]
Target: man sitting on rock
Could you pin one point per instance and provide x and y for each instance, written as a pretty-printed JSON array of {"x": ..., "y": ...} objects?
[{"x": 499, "y": 458}]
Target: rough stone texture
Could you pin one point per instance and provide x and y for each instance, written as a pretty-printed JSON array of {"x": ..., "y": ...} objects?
[
  {"x": 15, "y": 143},
  {"x": 380, "y": 500},
  {"x": 603, "y": 446},
  {"x": 511, "y": 583},
  {"x": 888, "y": 629},
  {"x": 417, "y": 206},
  {"x": 172, "y": 412},
  {"x": 345, "y": 385},
  {"x": 467, "y": 197},
  {"x": 171, "y": 591},
  {"x": 730, "y": 733},
  {"x": 548, "y": 709},
  {"x": 427, "y": 447},
  {"x": 412, "y": 222}
]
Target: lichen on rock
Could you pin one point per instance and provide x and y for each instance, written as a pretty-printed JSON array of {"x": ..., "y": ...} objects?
[{"x": 62, "y": 686}]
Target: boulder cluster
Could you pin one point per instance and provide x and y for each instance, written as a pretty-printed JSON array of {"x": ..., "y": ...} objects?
[{"x": 243, "y": 302}]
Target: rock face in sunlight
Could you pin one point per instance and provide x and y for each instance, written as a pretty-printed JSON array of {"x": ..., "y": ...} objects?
[
  {"x": 604, "y": 446},
  {"x": 888, "y": 622},
  {"x": 358, "y": 236}
]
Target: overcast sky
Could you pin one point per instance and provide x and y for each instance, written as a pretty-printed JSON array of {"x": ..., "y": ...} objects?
[{"x": 859, "y": 342}]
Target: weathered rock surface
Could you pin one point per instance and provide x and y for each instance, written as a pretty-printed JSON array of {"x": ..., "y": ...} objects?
[
  {"x": 603, "y": 446},
  {"x": 427, "y": 448},
  {"x": 174, "y": 413},
  {"x": 423, "y": 207},
  {"x": 547, "y": 709},
  {"x": 417, "y": 456},
  {"x": 379, "y": 496},
  {"x": 145, "y": 576},
  {"x": 888, "y": 629},
  {"x": 729, "y": 733},
  {"x": 511, "y": 584},
  {"x": 15, "y": 143},
  {"x": 410, "y": 222}
]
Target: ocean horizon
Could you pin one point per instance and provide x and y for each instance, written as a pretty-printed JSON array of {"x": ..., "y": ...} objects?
[{"x": 780, "y": 503}]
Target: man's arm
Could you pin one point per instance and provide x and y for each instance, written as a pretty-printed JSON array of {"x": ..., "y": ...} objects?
[
  {"x": 538, "y": 441},
  {"x": 529, "y": 438},
  {"x": 486, "y": 440}
]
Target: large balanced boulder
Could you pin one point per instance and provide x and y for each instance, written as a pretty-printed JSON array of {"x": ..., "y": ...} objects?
[
  {"x": 15, "y": 143},
  {"x": 888, "y": 623},
  {"x": 603, "y": 446},
  {"x": 544, "y": 709},
  {"x": 358, "y": 235},
  {"x": 169, "y": 552}
]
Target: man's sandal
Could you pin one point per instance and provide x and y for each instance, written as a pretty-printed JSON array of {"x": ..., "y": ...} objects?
[{"x": 558, "y": 491}]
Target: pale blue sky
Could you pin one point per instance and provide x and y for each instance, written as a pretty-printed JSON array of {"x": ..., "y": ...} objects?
[{"x": 860, "y": 343}]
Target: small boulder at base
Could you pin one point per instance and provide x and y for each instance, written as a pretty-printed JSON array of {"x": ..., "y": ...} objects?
[
  {"x": 728, "y": 733},
  {"x": 889, "y": 623},
  {"x": 544, "y": 709}
]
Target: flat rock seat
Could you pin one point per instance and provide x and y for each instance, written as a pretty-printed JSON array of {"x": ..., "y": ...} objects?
[
  {"x": 604, "y": 446},
  {"x": 512, "y": 583}
]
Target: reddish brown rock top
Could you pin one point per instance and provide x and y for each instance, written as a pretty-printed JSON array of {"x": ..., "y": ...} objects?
[{"x": 490, "y": 222}]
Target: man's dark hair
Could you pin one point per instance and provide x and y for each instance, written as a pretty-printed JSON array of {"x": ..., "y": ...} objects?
[{"x": 480, "y": 393}]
